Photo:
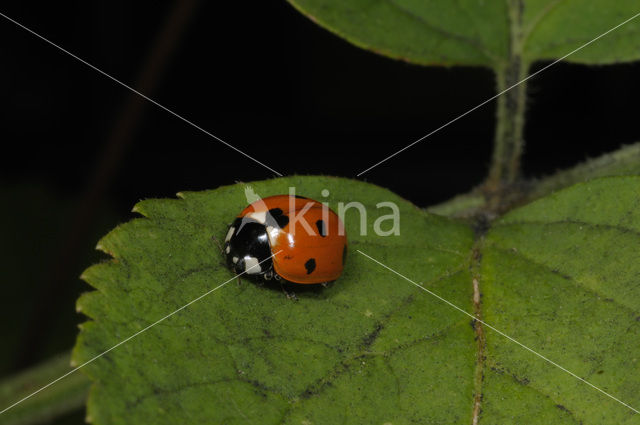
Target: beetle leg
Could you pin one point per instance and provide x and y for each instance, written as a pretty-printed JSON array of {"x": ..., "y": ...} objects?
[
  {"x": 213, "y": 237},
  {"x": 289, "y": 295}
]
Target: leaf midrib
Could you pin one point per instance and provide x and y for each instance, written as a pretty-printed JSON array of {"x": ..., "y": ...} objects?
[{"x": 470, "y": 42}]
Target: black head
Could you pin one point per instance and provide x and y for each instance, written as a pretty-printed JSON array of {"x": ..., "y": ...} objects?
[{"x": 247, "y": 248}]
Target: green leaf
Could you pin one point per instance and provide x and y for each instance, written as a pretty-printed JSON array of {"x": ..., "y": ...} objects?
[
  {"x": 61, "y": 403},
  {"x": 560, "y": 275},
  {"x": 247, "y": 354},
  {"x": 424, "y": 32},
  {"x": 481, "y": 32},
  {"x": 553, "y": 28}
]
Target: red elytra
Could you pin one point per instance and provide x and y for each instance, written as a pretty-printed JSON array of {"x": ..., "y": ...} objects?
[{"x": 306, "y": 238}]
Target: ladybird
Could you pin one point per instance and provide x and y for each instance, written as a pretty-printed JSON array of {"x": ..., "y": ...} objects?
[{"x": 287, "y": 237}]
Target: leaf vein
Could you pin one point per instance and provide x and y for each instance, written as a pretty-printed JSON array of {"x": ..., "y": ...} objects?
[
  {"x": 577, "y": 283},
  {"x": 443, "y": 32}
]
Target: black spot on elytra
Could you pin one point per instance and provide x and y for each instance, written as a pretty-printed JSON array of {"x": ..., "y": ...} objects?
[
  {"x": 310, "y": 265},
  {"x": 301, "y": 197},
  {"x": 321, "y": 228},
  {"x": 277, "y": 218}
]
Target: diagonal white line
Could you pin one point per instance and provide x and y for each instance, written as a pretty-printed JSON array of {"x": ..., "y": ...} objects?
[
  {"x": 499, "y": 94},
  {"x": 132, "y": 336},
  {"x": 498, "y": 331},
  {"x": 139, "y": 93}
]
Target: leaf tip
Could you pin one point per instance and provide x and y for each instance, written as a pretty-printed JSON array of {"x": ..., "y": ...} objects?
[{"x": 102, "y": 248}]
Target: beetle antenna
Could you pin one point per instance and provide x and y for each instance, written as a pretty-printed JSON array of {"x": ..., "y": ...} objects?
[{"x": 213, "y": 238}]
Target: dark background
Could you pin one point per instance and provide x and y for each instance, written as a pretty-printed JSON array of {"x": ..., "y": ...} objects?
[{"x": 78, "y": 150}]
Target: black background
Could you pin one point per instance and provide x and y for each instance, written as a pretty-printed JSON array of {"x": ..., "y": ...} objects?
[{"x": 263, "y": 78}]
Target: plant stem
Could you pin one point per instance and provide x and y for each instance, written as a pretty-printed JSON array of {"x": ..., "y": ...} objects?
[
  {"x": 624, "y": 161},
  {"x": 65, "y": 396},
  {"x": 508, "y": 143}
]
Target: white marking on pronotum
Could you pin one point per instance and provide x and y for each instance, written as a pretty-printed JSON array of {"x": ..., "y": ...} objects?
[
  {"x": 227, "y": 249},
  {"x": 234, "y": 259},
  {"x": 229, "y": 234},
  {"x": 260, "y": 217},
  {"x": 499, "y": 332},
  {"x": 251, "y": 265}
]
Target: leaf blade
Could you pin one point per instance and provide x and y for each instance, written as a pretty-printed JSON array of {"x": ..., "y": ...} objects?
[
  {"x": 549, "y": 269},
  {"x": 244, "y": 336},
  {"x": 480, "y": 33},
  {"x": 406, "y": 29}
]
